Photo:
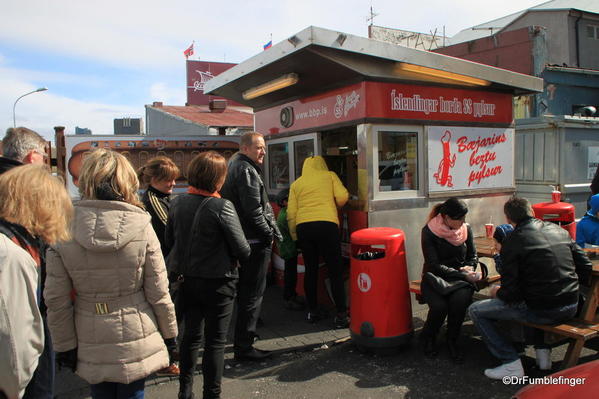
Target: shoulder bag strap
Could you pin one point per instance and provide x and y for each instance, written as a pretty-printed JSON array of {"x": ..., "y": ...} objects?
[{"x": 194, "y": 229}]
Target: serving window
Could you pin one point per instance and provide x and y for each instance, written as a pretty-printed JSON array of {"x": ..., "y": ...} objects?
[
  {"x": 397, "y": 162},
  {"x": 278, "y": 155},
  {"x": 285, "y": 158}
]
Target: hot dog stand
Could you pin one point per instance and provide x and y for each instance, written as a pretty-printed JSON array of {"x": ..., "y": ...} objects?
[{"x": 403, "y": 128}]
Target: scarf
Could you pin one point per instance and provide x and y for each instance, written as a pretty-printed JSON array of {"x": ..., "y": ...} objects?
[
  {"x": 197, "y": 191},
  {"x": 441, "y": 230},
  {"x": 20, "y": 236}
]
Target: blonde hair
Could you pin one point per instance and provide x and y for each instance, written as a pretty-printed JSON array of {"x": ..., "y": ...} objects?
[
  {"x": 160, "y": 167},
  {"x": 31, "y": 197},
  {"x": 108, "y": 175}
]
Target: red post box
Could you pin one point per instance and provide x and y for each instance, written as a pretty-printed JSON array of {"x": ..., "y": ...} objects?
[
  {"x": 381, "y": 311},
  {"x": 561, "y": 213}
]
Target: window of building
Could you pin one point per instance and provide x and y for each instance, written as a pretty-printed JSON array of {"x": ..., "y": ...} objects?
[
  {"x": 278, "y": 160},
  {"x": 302, "y": 150},
  {"x": 284, "y": 159},
  {"x": 397, "y": 162},
  {"x": 593, "y": 32}
]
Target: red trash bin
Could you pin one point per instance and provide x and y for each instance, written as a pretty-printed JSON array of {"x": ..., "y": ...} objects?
[
  {"x": 561, "y": 213},
  {"x": 380, "y": 310}
]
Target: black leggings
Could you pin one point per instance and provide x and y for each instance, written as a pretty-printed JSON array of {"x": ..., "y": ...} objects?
[
  {"x": 452, "y": 306},
  {"x": 316, "y": 239}
]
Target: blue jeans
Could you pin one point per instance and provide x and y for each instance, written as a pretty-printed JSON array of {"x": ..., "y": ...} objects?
[
  {"x": 485, "y": 313},
  {"x": 115, "y": 390}
]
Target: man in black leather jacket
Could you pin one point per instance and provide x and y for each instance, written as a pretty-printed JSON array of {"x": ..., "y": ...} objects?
[
  {"x": 245, "y": 189},
  {"x": 542, "y": 269}
]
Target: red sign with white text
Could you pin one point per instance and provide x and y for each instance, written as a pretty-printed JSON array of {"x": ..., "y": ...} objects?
[
  {"x": 403, "y": 101},
  {"x": 198, "y": 73},
  {"x": 389, "y": 101},
  {"x": 332, "y": 107}
]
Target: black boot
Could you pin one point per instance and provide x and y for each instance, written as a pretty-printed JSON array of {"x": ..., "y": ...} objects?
[
  {"x": 455, "y": 352},
  {"x": 429, "y": 346}
]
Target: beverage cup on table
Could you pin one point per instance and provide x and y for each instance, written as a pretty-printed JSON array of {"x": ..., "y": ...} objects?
[
  {"x": 489, "y": 230},
  {"x": 556, "y": 196}
]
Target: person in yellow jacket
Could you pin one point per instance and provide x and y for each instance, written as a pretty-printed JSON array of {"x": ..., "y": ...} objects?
[{"x": 313, "y": 221}]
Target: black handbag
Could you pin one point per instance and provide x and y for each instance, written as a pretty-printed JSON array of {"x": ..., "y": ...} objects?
[{"x": 444, "y": 287}]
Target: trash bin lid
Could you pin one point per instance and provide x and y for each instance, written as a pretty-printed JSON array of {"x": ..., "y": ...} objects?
[
  {"x": 554, "y": 207},
  {"x": 375, "y": 235}
]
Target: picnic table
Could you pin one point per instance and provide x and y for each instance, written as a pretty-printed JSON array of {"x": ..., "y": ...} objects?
[
  {"x": 578, "y": 330},
  {"x": 581, "y": 329},
  {"x": 485, "y": 247}
]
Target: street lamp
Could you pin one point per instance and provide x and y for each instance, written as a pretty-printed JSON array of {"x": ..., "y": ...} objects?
[{"x": 14, "y": 120}]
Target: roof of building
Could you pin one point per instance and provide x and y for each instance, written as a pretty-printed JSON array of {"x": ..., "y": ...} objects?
[
  {"x": 322, "y": 59},
  {"x": 494, "y": 26},
  {"x": 201, "y": 115}
]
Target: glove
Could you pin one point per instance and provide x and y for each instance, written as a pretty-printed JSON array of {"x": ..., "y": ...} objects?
[
  {"x": 174, "y": 277},
  {"x": 67, "y": 359},
  {"x": 171, "y": 347}
]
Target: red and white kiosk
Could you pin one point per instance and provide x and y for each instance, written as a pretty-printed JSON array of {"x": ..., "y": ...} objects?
[{"x": 403, "y": 128}]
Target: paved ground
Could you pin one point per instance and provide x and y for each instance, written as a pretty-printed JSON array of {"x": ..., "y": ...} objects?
[{"x": 317, "y": 361}]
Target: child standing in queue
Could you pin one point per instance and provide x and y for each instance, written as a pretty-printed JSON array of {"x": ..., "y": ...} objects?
[{"x": 288, "y": 251}]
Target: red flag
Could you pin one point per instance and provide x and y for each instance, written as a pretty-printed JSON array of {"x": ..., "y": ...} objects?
[{"x": 189, "y": 52}]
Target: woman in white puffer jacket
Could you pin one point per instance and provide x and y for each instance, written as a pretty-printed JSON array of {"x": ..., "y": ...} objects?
[{"x": 114, "y": 331}]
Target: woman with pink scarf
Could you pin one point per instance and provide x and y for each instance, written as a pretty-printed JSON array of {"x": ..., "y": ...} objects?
[{"x": 448, "y": 274}]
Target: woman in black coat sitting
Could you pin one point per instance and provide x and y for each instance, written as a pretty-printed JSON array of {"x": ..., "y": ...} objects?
[{"x": 448, "y": 274}]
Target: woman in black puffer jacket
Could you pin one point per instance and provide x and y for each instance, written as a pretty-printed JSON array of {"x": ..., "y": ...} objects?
[
  {"x": 449, "y": 254},
  {"x": 205, "y": 240}
]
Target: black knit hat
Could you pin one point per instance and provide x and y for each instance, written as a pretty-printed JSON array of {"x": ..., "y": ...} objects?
[
  {"x": 282, "y": 196},
  {"x": 454, "y": 207}
]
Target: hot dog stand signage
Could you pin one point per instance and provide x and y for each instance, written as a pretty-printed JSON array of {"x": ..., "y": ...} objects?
[
  {"x": 340, "y": 105},
  {"x": 388, "y": 101},
  {"x": 467, "y": 158}
]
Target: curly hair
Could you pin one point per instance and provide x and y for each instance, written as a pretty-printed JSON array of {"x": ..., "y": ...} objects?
[{"x": 31, "y": 197}]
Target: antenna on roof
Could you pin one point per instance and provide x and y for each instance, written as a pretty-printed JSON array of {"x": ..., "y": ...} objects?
[{"x": 372, "y": 15}]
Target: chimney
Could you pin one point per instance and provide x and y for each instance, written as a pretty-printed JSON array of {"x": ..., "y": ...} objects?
[
  {"x": 217, "y": 105},
  {"x": 157, "y": 104},
  {"x": 58, "y": 129}
]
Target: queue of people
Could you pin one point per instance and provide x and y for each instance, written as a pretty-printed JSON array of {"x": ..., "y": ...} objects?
[{"x": 112, "y": 319}]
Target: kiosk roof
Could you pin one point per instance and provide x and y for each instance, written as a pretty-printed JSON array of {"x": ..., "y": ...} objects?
[{"x": 321, "y": 59}]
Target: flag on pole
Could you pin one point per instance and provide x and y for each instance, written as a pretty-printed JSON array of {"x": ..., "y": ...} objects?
[
  {"x": 189, "y": 52},
  {"x": 268, "y": 45}
]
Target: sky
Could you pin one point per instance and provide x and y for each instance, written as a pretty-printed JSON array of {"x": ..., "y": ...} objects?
[{"x": 106, "y": 59}]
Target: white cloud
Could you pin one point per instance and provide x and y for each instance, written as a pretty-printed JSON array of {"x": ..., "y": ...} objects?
[
  {"x": 153, "y": 34},
  {"x": 42, "y": 111},
  {"x": 142, "y": 41},
  {"x": 160, "y": 91}
]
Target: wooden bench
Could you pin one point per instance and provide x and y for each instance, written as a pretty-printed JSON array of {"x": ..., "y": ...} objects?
[{"x": 577, "y": 331}]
